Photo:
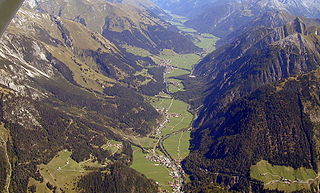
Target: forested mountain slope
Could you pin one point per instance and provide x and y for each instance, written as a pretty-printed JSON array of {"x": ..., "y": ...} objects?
[
  {"x": 237, "y": 129},
  {"x": 67, "y": 89},
  {"x": 258, "y": 57},
  {"x": 279, "y": 124}
]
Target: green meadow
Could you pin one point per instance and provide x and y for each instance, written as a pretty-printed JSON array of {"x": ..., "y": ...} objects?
[
  {"x": 184, "y": 61},
  {"x": 177, "y": 114},
  {"x": 283, "y": 178},
  {"x": 151, "y": 169},
  {"x": 61, "y": 171},
  {"x": 178, "y": 145}
]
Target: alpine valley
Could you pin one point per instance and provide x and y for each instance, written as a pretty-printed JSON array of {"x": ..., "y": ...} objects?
[{"x": 140, "y": 96}]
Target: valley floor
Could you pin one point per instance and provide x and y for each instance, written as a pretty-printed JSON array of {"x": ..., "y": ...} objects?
[{"x": 161, "y": 153}]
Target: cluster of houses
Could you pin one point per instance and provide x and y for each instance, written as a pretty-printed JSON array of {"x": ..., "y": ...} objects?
[{"x": 176, "y": 170}]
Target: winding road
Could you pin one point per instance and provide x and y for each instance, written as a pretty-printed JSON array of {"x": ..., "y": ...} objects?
[{"x": 174, "y": 165}]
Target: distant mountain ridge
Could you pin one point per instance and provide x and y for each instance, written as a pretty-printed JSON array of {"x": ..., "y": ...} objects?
[
  {"x": 184, "y": 7},
  {"x": 123, "y": 22},
  {"x": 224, "y": 17},
  {"x": 227, "y": 16},
  {"x": 268, "y": 19},
  {"x": 260, "y": 56}
]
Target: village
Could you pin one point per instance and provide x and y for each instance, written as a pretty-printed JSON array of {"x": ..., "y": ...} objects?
[{"x": 174, "y": 166}]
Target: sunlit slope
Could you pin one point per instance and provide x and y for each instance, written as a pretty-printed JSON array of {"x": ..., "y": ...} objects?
[
  {"x": 44, "y": 56},
  {"x": 124, "y": 22},
  {"x": 69, "y": 88},
  {"x": 89, "y": 59}
]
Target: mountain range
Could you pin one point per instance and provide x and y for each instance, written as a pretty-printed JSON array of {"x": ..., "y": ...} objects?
[
  {"x": 223, "y": 17},
  {"x": 238, "y": 125},
  {"x": 61, "y": 84},
  {"x": 80, "y": 80},
  {"x": 123, "y": 22}
]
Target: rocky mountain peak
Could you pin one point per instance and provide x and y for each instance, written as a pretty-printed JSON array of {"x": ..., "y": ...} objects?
[{"x": 31, "y": 3}]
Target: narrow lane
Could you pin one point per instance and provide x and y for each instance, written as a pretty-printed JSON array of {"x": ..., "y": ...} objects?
[{"x": 174, "y": 165}]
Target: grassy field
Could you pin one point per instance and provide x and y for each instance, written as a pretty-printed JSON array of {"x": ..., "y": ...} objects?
[
  {"x": 178, "y": 123},
  {"x": 178, "y": 22},
  {"x": 150, "y": 169},
  {"x": 282, "y": 178},
  {"x": 180, "y": 118},
  {"x": 145, "y": 142},
  {"x": 178, "y": 145},
  {"x": 206, "y": 42},
  {"x": 142, "y": 52},
  {"x": 113, "y": 146},
  {"x": 177, "y": 111},
  {"x": 175, "y": 88},
  {"x": 177, "y": 72},
  {"x": 137, "y": 51},
  {"x": 161, "y": 103},
  {"x": 181, "y": 27},
  {"x": 175, "y": 85},
  {"x": 185, "y": 61},
  {"x": 179, "y": 18},
  {"x": 61, "y": 171},
  {"x": 83, "y": 74},
  {"x": 40, "y": 187}
]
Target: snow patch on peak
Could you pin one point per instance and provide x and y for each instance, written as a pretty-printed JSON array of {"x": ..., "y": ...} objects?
[{"x": 31, "y": 3}]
